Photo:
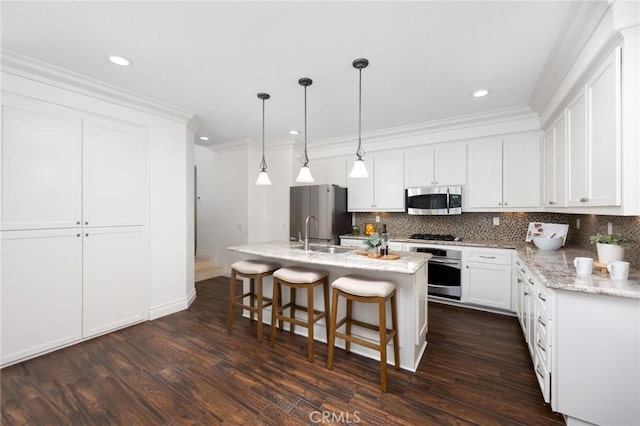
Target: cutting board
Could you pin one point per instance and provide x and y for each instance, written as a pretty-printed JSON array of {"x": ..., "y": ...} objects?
[{"x": 378, "y": 256}]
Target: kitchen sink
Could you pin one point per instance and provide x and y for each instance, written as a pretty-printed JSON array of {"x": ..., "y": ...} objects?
[{"x": 325, "y": 249}]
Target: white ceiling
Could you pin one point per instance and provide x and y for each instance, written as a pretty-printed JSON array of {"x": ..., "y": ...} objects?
[{"x": 212, "y": 58}]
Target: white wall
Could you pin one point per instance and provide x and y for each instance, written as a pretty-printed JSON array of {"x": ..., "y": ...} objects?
[
  {"x": 235, "y": 211},
  {"x": 170, "y": 162}
]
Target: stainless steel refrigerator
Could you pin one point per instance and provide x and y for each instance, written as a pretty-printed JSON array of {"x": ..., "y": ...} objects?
[{"x": 328, "y": 203}]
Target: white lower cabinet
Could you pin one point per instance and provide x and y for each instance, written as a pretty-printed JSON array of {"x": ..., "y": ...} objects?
[
  {"x": 41, "y": 291},
  {"x": 534, "y": 307},
  {"x": 114, "y": 279},
  {"x": 62, "y": 285},
  {"x": 486, "y": 278}
]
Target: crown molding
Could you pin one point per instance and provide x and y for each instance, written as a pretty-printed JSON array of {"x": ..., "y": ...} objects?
[
  {"x": 32, "y": 69},
  {"x": 580, "y": 24},
  {"x": 439, "y": 130}
]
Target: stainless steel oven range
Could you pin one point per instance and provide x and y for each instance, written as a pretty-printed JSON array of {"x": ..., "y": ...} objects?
[{"x": 445, "y": 268}]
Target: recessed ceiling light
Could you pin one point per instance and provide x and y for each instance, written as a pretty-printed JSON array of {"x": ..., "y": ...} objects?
[
  {"x": 480, "y": 93},
  {"x": 204, "y": 138},
  {"x": 120, "y": 60},
  {"x": 294, "y": 132}
]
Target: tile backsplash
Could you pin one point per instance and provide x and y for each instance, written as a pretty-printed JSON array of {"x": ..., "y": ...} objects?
[{"x": 513, "y": 226}]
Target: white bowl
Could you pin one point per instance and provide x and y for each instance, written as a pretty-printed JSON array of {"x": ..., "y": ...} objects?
[{"x": 548, "y": 243}]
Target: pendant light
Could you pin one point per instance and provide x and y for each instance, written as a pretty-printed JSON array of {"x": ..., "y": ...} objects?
[
  {"x": 359, "y": 170},
  {"x": 263, "y": 177},
  {"x": 305, "y": 174}
]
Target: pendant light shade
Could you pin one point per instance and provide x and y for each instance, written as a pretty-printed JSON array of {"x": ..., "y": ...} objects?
[
  {"x": 263, "y": 177},
  {"x": 359, "y": 170},
  {"x": 305, "y": 173}
]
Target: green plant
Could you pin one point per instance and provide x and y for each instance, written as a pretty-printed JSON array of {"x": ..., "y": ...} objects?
[
  {"x": 373, "y": 241},
  {"x": 615, "y": 239}
]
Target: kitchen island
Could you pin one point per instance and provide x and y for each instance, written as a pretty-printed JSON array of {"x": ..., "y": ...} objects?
[{"x": 409, "y": 272}]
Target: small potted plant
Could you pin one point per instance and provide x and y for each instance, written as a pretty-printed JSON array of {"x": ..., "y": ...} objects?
[
  {"x": 610, "y": 246},
  {"x": 373, "y": 242}
]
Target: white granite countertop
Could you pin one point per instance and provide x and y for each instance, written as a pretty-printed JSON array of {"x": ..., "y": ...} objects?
[
  {"x": 409, "y": 263},
  {"x": 554, "y": 268}
]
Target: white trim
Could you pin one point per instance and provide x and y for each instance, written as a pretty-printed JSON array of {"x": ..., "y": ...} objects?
[
  {"x": 32, "y": 69},
  {"x": 159, "y": 311}
]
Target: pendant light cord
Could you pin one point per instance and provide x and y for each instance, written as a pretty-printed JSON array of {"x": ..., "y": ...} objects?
[
  {"x": 263, "y": 163},
  {"x": 360, "y": 151},
  {"x": 306, "y": 158}
]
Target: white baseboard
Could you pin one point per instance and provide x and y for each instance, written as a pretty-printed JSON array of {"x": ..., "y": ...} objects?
[{"x": 165, "y": 309}]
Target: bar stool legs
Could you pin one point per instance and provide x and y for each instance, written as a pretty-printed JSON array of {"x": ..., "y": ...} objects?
[
  {"x": 255, "y": 271},
  {"x": 295, "y": 278},
  {"x": 364, "y": 290}
]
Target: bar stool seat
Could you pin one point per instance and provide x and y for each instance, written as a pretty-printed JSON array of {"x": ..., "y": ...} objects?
[
  {"x": 255, "y": 271},
  {"x": 365, "y": 290},
  {"x": 296, "y": 277}
]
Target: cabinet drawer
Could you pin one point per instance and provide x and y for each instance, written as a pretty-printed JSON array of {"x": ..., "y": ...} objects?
[
  {"x": 498, "y": 257},
  {"x": 544, "y": 379},
  {"x": 542, "y": 349}
]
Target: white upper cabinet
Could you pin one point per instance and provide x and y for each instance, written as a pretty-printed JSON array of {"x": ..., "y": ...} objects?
[
  {"x": 41, "y": 167},
  {"x": 383, "y": 190},
  {"x": 521, "y": 176},
  {"x": 593, "y": 121},
  {"x": 114, "y": 173},
  {"x": 555, "y": 164},
  {"x": 440, "y": 165},
  {"x": 332, "y": 171},
  {"x": 60, "y": 170},
  {"x": 504, "y": 174},
  {"x": 485, "y": 174}
]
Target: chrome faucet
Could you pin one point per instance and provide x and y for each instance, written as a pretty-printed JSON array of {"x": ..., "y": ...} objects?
[{"x": 306, "y": 230}]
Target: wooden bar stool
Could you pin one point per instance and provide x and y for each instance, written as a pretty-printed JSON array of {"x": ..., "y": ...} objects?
[
  {"x": 365, "y": 290},
  {"x": 296, "y": 277},
  {"x": 255, "y": 271}
]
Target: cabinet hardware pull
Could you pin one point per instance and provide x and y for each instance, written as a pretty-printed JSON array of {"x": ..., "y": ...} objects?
[
  {"x": 499, "y": 204},
  {"x": 541, "y": 297},
  {"x": 538, "y": 371},
  {"x": 86, "y": 223},
  {"x": 519, "y": 280},
  {"x": 78, "y": 222},
  {"x": 526, "y": 294},
  {"x": 487, "y": 257},
  {"x": 552, "y": 202},
  {"x": 517, "y": 263},
  {"x": 86, "y": 235},
  {"x": 505, "y": 203},
  {"x": 541, "y": 322},
  {"x": 77, "y": 235},
  {"x": 523, "y": 271},
  {"x": 531, "y": 281},
  {"x": 466, "y": 266},
  {"x": 539, "y": 343}
]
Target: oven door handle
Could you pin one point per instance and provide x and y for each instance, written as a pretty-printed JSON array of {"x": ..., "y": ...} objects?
[{"x": 445, "y": 261}]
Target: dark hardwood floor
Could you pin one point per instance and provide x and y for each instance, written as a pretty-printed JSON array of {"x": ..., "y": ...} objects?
[{"x": 187, "y": 368}]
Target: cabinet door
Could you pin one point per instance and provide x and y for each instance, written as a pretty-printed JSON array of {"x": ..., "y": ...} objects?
[
  {"x": 115, "y": 279},
  {"x": 360, "y": 193},
  {"x": 451, "y": 164},
  {"x": 485, "y": 174},
  {"x": 115, "y": 173},
  {"x": 389, "y": 181},
  {"x": 549, "y": 167},
  {"x": 578, "y": 150},
  {"x": 419, "y": 168},
  {"x": 41, "y": 301},
  {"x": 603, "y": 95},
  {"x": 560, "y": 163},
  {"x": 521, "y": 172},
  {"x": 487, "y": 285},
  {"x": 41, "y": 167}
]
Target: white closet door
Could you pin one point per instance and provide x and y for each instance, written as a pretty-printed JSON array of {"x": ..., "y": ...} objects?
[
  {"x": 41, "y": 167},
  {"x": 41, "y": 303},
  {"x": 115, "y": 173},
  {"x": 115, "y": 292}
]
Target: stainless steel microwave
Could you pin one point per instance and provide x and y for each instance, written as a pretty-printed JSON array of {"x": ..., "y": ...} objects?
[{"x": 434, "y": 200}]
